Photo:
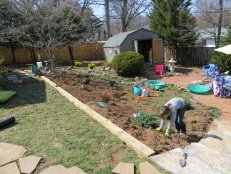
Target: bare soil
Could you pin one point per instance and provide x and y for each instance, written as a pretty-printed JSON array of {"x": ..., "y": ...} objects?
[{"x": 122, "y": 104}]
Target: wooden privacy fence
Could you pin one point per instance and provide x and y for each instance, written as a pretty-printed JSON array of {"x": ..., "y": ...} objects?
[
  {"x": 81, "y": 52},
  {"x": 193, "y": 56}
]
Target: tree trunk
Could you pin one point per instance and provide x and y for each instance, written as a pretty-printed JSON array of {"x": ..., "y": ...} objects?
[
  {"x": 13, "y": 52},
  {"x": 70, "y": 49},
  {"x": 107, "y": 17},
  {"x": 51, "y": 63},
  {"x": 32, "y": 54},
  {"x": 124, "y": 15},
  {"x": 219, "y": 23}
]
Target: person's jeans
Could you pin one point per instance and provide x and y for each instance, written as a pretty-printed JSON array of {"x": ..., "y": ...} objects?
[{"x": 179, "y": 124}]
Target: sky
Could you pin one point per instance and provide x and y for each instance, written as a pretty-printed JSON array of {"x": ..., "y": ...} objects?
[{"x": 98, "y": 11}]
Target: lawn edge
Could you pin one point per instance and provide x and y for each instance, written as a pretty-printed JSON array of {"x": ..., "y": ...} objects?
[{"x": 132, "y": 142}]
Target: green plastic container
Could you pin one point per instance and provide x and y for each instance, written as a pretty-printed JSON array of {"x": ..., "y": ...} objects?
[
  {"x": 156, "y": 84},
  {"x": 198, "y": 89}
]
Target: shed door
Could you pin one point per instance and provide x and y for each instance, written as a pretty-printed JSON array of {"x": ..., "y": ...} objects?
[{"x": 157, "y": 50}]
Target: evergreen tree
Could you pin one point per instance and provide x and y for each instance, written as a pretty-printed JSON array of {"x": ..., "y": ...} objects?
[
  {"x": 222, "y": 59},
  {"x": 173, "y": 20}
]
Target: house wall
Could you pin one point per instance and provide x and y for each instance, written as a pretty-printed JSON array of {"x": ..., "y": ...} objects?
[
  {"x": 110, "y": 53},
  {"x": 210, "y": 42}
]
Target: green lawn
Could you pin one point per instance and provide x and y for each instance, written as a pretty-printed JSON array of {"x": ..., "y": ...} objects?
[{"x": 50, "y": 126}]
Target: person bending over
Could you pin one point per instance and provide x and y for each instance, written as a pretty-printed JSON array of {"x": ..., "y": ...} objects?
[{"x": 175, "y": 107}]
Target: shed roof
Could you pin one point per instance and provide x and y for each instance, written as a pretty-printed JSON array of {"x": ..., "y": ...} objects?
[{"x": 117, "y": 40}]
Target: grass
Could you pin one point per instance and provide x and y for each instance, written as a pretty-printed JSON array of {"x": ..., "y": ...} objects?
[
  {"x": 216, "y": 112},
  {"x": 51, "y": 127}
]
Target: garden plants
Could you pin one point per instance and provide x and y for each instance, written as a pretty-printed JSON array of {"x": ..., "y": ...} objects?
[
  {"x": 78, "y": 64},
  {"x": 91, "y": 65},
  {"x": 147, "y": 120}
]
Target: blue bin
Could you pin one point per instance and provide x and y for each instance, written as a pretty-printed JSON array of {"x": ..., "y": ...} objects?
[
  {"x": 34, "y": 69},
  {"x": 137, "y": 90}
]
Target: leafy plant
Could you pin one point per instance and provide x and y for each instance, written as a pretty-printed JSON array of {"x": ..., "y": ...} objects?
[
  {"x": 86, "y": 79},
  {"x": 91, "y": 65},
  {"x": 128, "y": 63},
  {"x": 147, "y": 120},
  {"x": 78, "y": 64},
  {"x": 112, "y": 82},
  {"x": 108, "y": 64}
]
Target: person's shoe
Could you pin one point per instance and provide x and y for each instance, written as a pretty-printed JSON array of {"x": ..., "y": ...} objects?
[
  {"x": 167, "y": 133},
  {"x": 158, "y": 129}
]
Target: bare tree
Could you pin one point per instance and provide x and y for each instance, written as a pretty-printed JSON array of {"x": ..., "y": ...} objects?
[
  {"x": 126, "y": 11},
  {"x": 107, "y": 18},
  {"x": 220, "y": 21},
  {"x": 9, "y": 21},
  {"x": 48, "y": 26},
  {"x": 141, "y": 21},
  {"x": 212, "y": 14}
]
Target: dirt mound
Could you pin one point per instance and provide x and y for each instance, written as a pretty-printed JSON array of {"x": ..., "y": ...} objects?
[{"x": 122, "y": 104}]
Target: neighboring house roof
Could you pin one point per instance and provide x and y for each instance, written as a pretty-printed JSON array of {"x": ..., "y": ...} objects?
[
  {"x": 208, "y": 33},
  {"x": 117, "y": 40}
]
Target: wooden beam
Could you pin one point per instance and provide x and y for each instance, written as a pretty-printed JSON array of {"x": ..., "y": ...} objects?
[{"x": 132, "y": 142}]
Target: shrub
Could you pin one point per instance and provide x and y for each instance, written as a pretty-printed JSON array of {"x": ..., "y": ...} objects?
[
  {"x": 222, "y": 60},
  {"x": 91, "y": 65},
  {"x": 147, "y": 120},
  {"x": 79, "y": 64},
  {"x": 128, "y": 63}
]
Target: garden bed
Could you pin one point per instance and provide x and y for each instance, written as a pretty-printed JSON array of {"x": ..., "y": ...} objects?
[{"x": 123, "y": 104}]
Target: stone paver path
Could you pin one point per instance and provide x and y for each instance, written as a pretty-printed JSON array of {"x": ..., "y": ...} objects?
[
  {"x": 212, "y": 155},
  {"x": 10, "y": 153}
]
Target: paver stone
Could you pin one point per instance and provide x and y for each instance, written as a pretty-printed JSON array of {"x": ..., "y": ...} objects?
[
  {"x": 147, "y": 168},
  {"x": 11, "y": 168},
  {"x": 10, "y": 152},
  {"x": 58, "y": 169},
  {"x": 75, "y": 170},
  {"x": 28, "y": 164},
  {"x": 124, "y": 168}
]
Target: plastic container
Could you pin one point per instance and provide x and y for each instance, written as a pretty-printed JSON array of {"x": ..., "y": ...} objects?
[
  {"x": 136, "y": 115},
  {"x": 34, "y": 69},
  {"x": 198, "y": 89},
  {"x": 39, "y": 64},
  {"x": 137, "y": 90},
  {"x": 156, "y": 84}
]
